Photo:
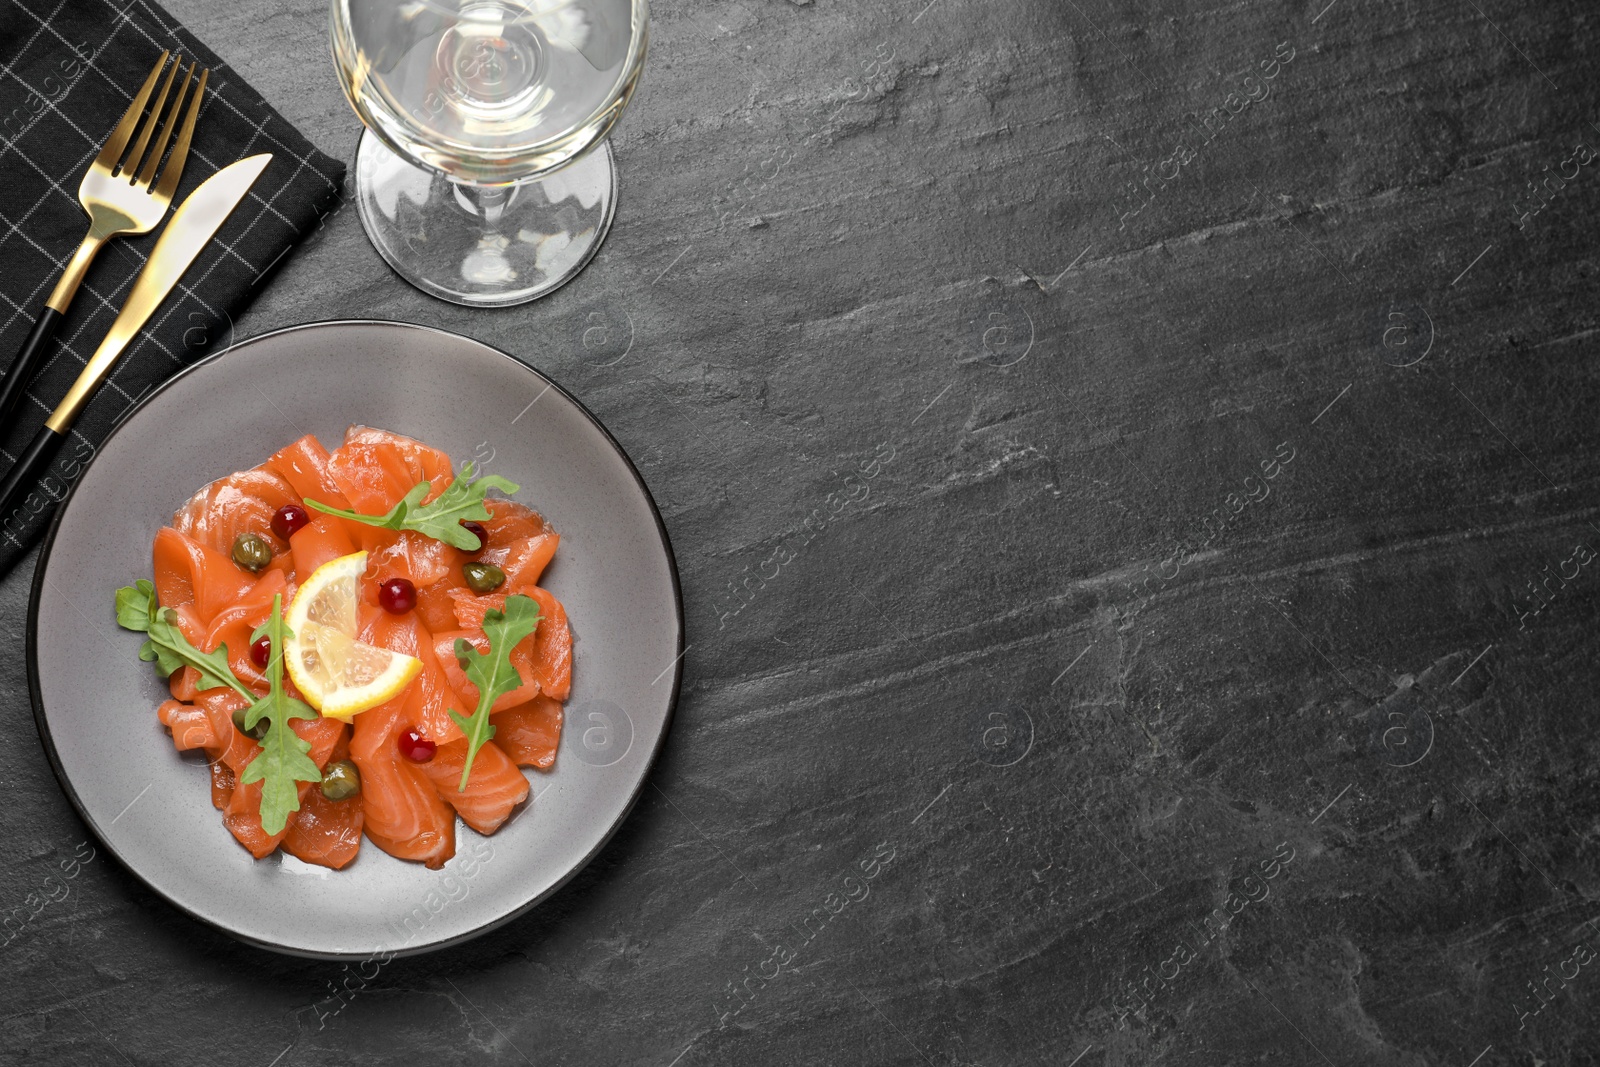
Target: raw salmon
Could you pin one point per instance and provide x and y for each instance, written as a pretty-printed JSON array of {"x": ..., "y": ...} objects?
[
  {"x": 430, "y": 698},
  {"x": 323, "y": 539},
  {"x": 375, "y": 468},
  {"x": 529, "y": 733},
  {"x": 188, "y": 572},
  {"x": 408, "y": 809},
  {"x": 403, "y": 813},
  {"x": 520, "y": 542},
  {"x": 238, "y": 504},
  {"x": 493, "y": 789},
  {"x": 242, "y": 816},
  {"x": 326, "y": 832},
  {"x": 190, "y": 726},
  {"x": 235, "y": 623},
  {"x": 304, "y": 465}
]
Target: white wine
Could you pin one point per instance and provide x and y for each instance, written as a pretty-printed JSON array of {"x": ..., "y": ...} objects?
[{"x": 489, "y": 91}]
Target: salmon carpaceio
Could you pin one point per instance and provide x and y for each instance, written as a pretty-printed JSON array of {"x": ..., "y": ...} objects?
[{"x": 408, "y": 809}]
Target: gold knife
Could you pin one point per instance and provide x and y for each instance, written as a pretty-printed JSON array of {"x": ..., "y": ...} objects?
[{"x": 188, "y": 232}]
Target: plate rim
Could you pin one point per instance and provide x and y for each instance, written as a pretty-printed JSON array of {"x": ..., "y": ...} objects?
[{"x": 36, "y": 697}]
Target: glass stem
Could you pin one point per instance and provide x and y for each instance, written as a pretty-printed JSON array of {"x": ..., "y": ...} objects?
[{"x": 486, "y": 202}]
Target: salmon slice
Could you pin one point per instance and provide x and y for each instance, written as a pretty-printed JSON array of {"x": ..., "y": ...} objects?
[
  {"x": 190, "y": 726},
  {"x": 229, "y": 747},
  {"x": 530, "y": 733},
  {"x": 444, "y": 648},
  {"x": 304, "y": 465},
  {"x": 521, "y": 543},
  {"x": 375, "y": 468},
  {"x": 402, "y": 812},
  {"x": 242, "y": 815},
  {"x": 235, "y": 623},
  {"x": 324, "y": 538},
  {"x": 430, "y": 696},
  {"x": 493, "y": 789},
  {"x": 326, "y": 832},
  {"x": 188, "y": 572},
  {"x": 545, "y": 658},
  {"x": 435, "y": 605},
  {"x": 416, "y": 557},
  {"x": 524, "y": 560},
  {"x": 222, "y": 783},
  {"x": 238, "y": 504}
]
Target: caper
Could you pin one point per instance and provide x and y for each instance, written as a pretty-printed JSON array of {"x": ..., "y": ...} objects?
[
  {"x": 260, "y": 729},
  {"x": 483, "y": 577},
  {"x": 251, "y": 552},
  {"x": 341, "y": 780}
]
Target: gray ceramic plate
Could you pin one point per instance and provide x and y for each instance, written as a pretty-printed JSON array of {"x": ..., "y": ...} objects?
[{"x": 95, "y": 701}]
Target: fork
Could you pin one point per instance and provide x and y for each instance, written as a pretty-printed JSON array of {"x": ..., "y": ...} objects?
[{"x": 119, "y": 198}]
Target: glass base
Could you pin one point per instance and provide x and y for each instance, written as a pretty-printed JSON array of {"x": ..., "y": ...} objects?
[{"x": 484, "y": 246}]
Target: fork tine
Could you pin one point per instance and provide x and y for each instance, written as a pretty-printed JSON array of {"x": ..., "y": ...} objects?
[
  {"x": 158, "y": 147},
  {"x": 180, "y": 151},
  {"x": 118, "y": 140},
  {"x": 131, "y": 163}
]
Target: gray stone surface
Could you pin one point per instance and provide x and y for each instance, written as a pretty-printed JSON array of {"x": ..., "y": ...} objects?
[{"x": 1098, "y": 685}]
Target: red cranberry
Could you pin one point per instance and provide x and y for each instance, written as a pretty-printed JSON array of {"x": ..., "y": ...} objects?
[
  {"x": 415, "y": 747},
  {"x": 289, "y": 519},
  {"x": 477, "y": 531},
  {"x": 261, "y": 652},
  {"x": 397, "y": 596}
]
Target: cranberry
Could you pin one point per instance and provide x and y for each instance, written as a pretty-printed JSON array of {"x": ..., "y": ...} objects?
[
  {"x": 261, "y": 652},
  {"x": 289, "y": 519},
  {"x": 397, "y": 596},
  {"x": 477, "y": 531},
  {"x": 415, "y": 747}
]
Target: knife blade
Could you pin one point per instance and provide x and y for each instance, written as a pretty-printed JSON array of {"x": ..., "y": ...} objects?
[{"x": 186, "y": 234}]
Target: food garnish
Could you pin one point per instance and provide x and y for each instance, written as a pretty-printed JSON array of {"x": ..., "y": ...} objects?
[
  {"x": 492, "y": 671},
  {"x": 442, "y": 519},
  {"x": 397, "y": 596},
  {"x": 341, "y": 780},
  {"x": 165, "y": 645},
  {"x": 283, "y": 761},
  {"x": 289, "y": 520},
  {"x": 251, "y": 552},
  {"x": 479, "y": 531},
  {"x": 416, "y": 748},
  {"x": 483, "y": 577},
  {"x": 337, "y": 674}
]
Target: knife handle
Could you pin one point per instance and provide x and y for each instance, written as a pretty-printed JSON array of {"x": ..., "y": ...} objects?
[
  {"x": 30, "y": 465},
  {"x": 32, "y": 356}
]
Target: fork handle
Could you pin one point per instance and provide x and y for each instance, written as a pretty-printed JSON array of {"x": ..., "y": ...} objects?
[
  {"x": 20, "y": 374},
  {"x": 28, "y": 361}
]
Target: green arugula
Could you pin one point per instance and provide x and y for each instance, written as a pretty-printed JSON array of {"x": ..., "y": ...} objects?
[
  {"x": 282, "y": 761},
  {"x": 440, "y": 520},
  {"x": 165, "y": 645},
  {"x": 492, "y": 671}
]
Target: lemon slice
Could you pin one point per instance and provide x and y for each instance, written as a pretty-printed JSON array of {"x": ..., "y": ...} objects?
[{"x": 338, "y": 675}]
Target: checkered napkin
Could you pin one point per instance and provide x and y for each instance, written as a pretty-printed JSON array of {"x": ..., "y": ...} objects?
[{"x": 68, "y": 69}]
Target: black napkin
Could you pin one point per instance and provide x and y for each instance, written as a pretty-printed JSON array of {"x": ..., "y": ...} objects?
[{"x": 68, "y": 69}]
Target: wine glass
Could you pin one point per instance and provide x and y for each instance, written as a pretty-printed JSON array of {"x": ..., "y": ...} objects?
[{"x": 477, "y": 176}]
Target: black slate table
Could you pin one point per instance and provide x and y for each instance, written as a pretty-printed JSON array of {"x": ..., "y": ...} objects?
[{"x": 1130, "y": 466}]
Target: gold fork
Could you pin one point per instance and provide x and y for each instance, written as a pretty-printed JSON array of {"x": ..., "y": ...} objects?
[{"x": 119, "y": 198}]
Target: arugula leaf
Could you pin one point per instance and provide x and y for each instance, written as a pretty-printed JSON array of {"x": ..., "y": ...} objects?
[
  {"x": 492, "y": 671},
  {"x": 138, "y": 610},
  {"x": 440, "y": 520},
  {"x": 282, "y": 761}
]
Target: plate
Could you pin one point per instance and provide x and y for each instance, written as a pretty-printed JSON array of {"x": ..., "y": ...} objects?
[{"x": 95, "y": 701}]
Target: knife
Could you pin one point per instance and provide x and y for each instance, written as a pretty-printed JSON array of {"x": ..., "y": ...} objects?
[{"x": 190, "y": 229}]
